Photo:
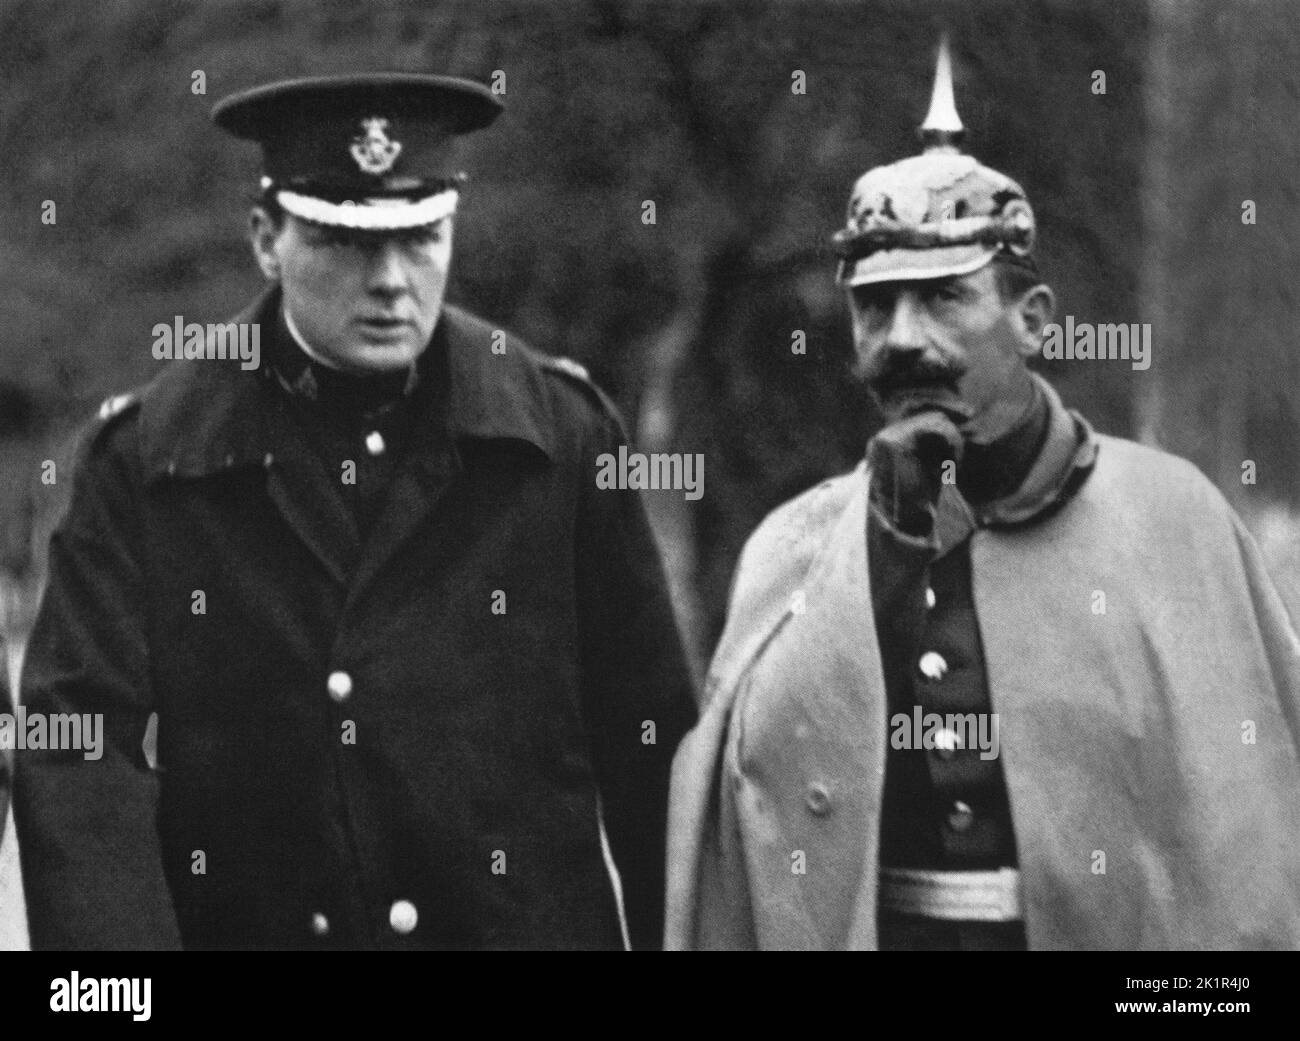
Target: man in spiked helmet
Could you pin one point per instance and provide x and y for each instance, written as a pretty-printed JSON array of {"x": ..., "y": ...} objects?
[
  {"x": 1009, "y": 683},
  {"x": 412, "y": 679}
]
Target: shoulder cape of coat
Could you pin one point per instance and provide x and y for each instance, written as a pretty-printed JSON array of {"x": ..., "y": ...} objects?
[{"x": 1150, "y": 750}]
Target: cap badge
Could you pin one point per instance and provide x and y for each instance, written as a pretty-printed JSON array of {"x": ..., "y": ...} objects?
[{"x": 374, "y": 151}]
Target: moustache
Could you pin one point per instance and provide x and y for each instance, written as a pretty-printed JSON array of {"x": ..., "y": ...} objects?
[{"x": 890, "y": 378}]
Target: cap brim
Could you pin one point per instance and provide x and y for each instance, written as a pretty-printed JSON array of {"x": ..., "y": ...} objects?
[
  {"x": 371, "y": 214},
  {"x": 896, "y": 265},
  {"x": 463, "y": 105}
]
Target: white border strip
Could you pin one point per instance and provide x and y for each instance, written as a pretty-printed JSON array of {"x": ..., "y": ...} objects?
[
  {"x": 371, "y": 214},
  {"x": 615, "y": 879}
]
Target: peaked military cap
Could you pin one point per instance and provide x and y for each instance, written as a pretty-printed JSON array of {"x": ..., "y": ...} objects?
[
  {"x": 372, "y": 152},
  {"x": 936, "y": 214}
]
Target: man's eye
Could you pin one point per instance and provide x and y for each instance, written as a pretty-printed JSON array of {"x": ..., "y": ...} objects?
[
  {"x": 421, "y": 236},
  {"x": 872, "y": 304},
  {"x": 948, "y": 291}
]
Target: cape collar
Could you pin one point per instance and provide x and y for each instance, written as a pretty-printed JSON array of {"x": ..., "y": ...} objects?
[
  {"x": 203, "y": 417},
  {"x": 1065, "y": 460}
]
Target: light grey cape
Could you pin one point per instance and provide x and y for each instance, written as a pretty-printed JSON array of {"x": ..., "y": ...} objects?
[{"x": 1150, "y": 751}]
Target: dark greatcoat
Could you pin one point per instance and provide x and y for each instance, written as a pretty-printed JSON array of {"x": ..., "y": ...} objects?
[{"x": 487, "y": 746}]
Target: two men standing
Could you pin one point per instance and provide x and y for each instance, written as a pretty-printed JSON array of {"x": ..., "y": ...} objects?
[{"x": 434, "y": 704}]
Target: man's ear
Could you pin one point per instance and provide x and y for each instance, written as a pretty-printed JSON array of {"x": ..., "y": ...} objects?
[
  {"x": 263, "y": 234},
  {"x": 1030, "y": 315}
]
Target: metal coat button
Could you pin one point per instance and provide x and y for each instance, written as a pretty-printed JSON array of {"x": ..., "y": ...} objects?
[
  {"x": 960, "y": 817},
  {"x": 930, "y": 598},
  {"x": 339, "y": 685},
  {"x": 819, "y": 800},
  {"x": 402, "y": 916},
  {"x": 933, "y": 666},
  {"x": 320, "y": 925},
  {"x": 375, "y": 443},
  {"x": 946, "y": 743}
]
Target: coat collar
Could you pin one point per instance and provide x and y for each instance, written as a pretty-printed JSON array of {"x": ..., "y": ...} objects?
[
  {"x": 203, "y": 417},
  {"x": 1067, "y": 455},
  {"x": 1064, "y": 462}
]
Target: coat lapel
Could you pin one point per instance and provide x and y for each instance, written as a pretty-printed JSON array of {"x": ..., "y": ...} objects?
[
  {"x": 205, "y": 418},
  {"x": 470, "y": 390},
  {"x": 308, "y": 497},
  {"x": 430, "y": 465},
  {"x": 803, "y": 764},
  {"x": 843, "y": 680}
]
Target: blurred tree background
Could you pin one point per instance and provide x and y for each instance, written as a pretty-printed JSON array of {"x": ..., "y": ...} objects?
[{"x": 688, "y": 322}]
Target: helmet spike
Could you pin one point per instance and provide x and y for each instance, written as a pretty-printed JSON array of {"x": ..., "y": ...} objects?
[
  {"x": 942, "y": 130},
  {"x": 936, "y": 214}
]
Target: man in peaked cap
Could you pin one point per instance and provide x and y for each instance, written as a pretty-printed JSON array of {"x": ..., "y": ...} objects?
[
  {"x": 379, "y": 664},
  {"x": 1010, "y": 683}
]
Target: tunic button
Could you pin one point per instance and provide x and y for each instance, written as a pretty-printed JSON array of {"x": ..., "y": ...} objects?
[
  {"x": 819, "y": 800},
  {"x": 402, "y": 916},
  {"x": 375, "y": 443},
  {"x": 946, "y": 743},
  {"x": 929, "y": 598},
  {"x": 960, "y": 817},
  {"x": 320, "y": 925},
  {"x": 339, "y": 685},
  {"x": 933, "y": 666}
]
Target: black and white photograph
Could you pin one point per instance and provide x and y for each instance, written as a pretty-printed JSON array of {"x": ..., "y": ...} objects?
[{"x": 615, "y": 475}]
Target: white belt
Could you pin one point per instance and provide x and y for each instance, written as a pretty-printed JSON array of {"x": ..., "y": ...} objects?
[{"x": 971, "y": 896}]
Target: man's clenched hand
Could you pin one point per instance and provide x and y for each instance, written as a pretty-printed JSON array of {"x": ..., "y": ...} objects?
[{"x": 906, "y": 462}]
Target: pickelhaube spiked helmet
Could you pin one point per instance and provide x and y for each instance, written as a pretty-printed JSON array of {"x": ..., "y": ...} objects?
[{"x": 936, "y": 214}]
